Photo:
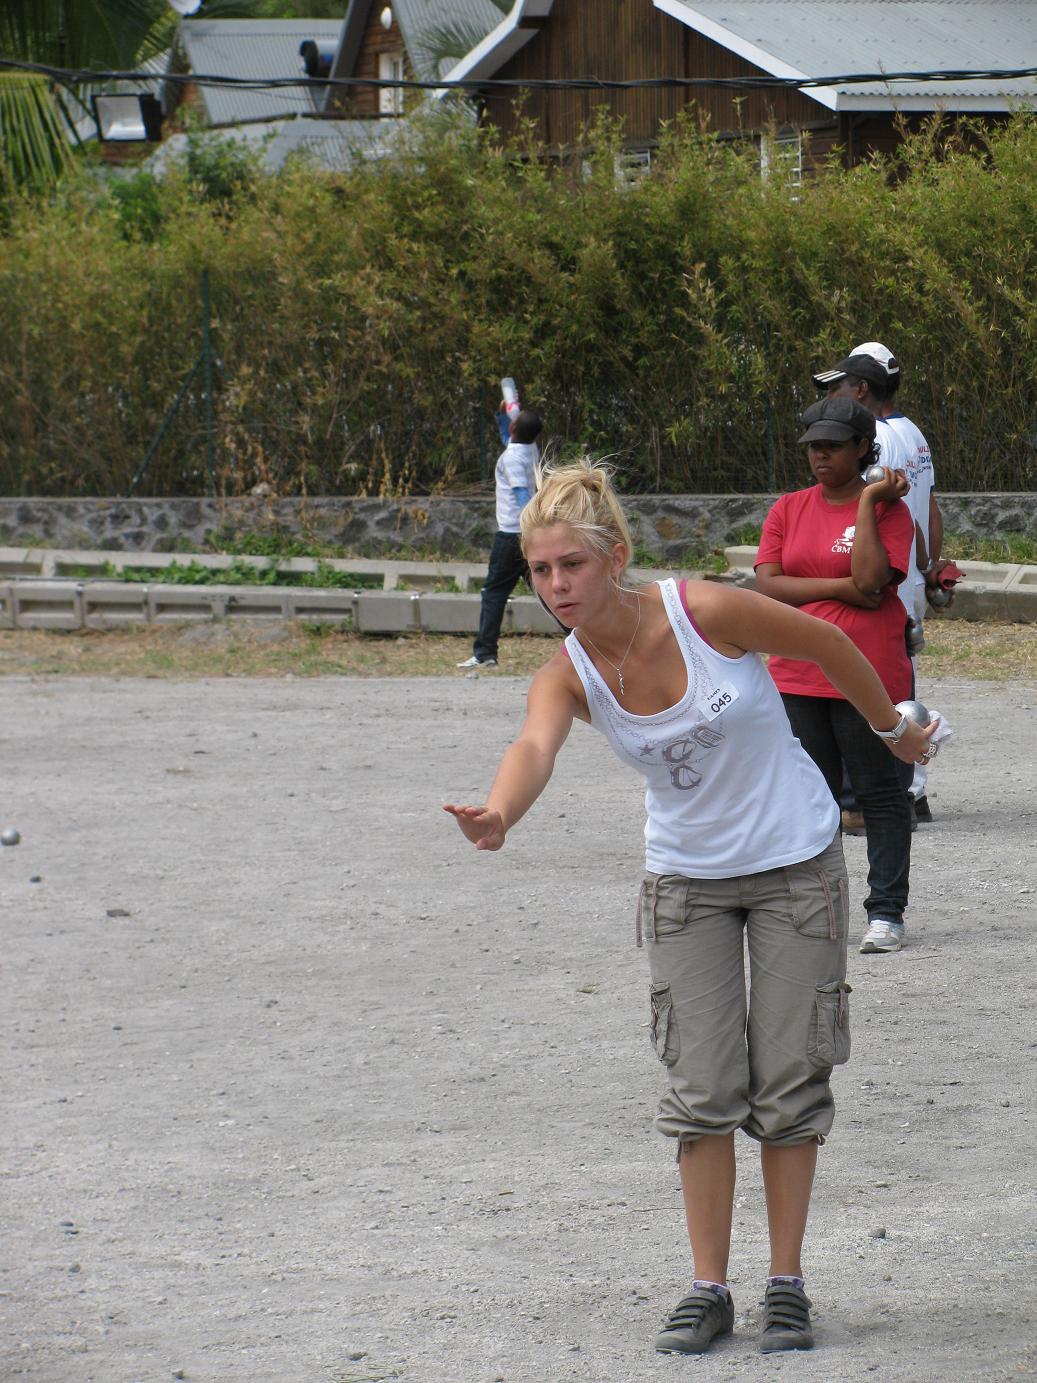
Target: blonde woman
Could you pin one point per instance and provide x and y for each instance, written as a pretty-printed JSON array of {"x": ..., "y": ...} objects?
[{"x": 742, "y": 839}]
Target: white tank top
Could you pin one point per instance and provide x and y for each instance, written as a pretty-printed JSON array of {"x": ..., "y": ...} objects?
[{"x": 729, "y": 789}]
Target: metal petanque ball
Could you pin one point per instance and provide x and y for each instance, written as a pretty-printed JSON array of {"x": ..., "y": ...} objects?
[
  {"x": 874, "y": 474},
  {"x": 10, "y": 836},
  {"x": 914, "y": 710},
  {"x": 940, "y": 598}
]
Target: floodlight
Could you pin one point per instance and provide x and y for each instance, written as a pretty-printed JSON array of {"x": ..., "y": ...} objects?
[{"x": 127, "y": 119}]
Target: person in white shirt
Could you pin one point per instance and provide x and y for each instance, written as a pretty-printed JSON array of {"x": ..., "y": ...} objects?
[
  {"x": 516, "y": 483},
  {"x": 742, "y": 849},
  {"x": 871, "y": 375}
]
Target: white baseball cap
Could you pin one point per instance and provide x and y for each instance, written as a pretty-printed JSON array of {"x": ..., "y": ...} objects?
[
  {"x": 879, "y": 352},
  {"x": 871, "y": 361}
]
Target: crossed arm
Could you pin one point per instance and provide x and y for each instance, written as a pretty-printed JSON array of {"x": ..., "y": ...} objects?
[{"x": 870, "y": 570}]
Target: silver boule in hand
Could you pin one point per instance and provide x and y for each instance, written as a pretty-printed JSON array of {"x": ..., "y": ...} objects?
[
  {"x": 874, "y": 474},
  {"x": 914, "y": 710}
]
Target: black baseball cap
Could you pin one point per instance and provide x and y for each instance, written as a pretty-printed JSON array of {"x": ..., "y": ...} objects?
[
  {"x": 836, "y": 420},
  {"x": 871, "y": 361}
]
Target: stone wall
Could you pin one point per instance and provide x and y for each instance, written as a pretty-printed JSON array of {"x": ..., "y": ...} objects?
[{"x": 665, "y": 525}]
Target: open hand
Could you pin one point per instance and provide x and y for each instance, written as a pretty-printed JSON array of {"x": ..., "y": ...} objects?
[{"x": 484, "y": 828}]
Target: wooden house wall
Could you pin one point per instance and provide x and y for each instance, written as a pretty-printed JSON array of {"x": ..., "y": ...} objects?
[
  {"x": 619, "y": 40},
  {"x": 362, "y": 101},
  {"x": 626, "y": 40}
]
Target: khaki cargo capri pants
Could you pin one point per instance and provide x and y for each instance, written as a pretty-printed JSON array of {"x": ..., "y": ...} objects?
[{"x": 761, "y": 1065}]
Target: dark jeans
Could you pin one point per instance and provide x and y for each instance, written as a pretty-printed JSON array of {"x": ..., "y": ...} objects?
[
  {"x": 507, "y": 569},
  {"x": 833, "y": 733}
]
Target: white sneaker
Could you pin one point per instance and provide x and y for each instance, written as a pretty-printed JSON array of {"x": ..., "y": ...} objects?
[
  {"x": 883, "y": 936},
  {"x": 473, "y": 661}
]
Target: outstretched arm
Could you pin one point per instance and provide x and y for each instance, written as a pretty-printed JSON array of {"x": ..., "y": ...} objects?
[{"x": 527, "y": 765}]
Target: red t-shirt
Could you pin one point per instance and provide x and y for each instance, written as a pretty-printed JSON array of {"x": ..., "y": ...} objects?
[{"x": 810, "y": 537}]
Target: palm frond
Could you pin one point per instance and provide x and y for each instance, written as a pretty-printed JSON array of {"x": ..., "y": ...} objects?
[
  {"x": 34, "y": 147},
  {"x": 77, "y": 33},
  {"x": 442, "y": 45}
]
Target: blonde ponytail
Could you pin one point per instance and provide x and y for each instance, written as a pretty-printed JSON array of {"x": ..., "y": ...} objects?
[{"x": 581, "y": 495}]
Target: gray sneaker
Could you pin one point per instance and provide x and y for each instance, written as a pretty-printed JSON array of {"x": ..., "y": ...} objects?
[
  {"x": 473, "y": 661},
  {"x": 694, "y": 1322},
  {"x": 786, "y": 1319},
  {"x": 882, "y": 936}
]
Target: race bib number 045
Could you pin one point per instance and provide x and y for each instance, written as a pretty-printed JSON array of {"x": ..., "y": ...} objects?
[{"x": 714, "y": 703}]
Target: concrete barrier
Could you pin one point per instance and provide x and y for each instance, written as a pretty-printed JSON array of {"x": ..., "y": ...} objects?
[
  {"x": 89, "y": 564},
  {"x": 1021, "y": 595},
  {"x": 46, "y": 604},
  {"x": 386, "y": 612},
  {"x": 449, "y": 614},
  {"x": 991, "y": 591},
  {"x": 113, "y": 604}
]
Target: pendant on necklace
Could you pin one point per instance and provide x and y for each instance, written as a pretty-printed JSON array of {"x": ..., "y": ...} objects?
[{"x": 622, "y": 688}]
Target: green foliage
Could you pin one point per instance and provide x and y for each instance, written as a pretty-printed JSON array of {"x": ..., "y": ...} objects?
[
  {"x": 34, "y": 150},
  {"x": 138, "y": 205},
  {"x": 1006, "y": 547},
  {"x": 277, "y": 544},
  {"x": 363, "y": 321},
  {"x": 220, "y": 169},
  {"x": 298, "y": 9},
  {"x": 196, "y": 574},
  {"x": 242, "y": 573}
]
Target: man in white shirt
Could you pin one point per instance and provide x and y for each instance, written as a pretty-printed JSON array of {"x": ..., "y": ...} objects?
[
  {"x": 515, "y": 478},
  {"x": 871, "y": 375}
]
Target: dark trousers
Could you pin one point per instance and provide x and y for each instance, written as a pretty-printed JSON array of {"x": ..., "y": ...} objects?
[
  {"x": 507, "y": 568},
  {"x": 833, "y": 733}
]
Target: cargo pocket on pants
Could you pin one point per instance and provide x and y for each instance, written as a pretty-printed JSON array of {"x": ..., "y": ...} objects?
[
  {"x": 818, "y": 897},
  {"x": 830, "y": 1028},
  {"x": 665, "y": 1038}
]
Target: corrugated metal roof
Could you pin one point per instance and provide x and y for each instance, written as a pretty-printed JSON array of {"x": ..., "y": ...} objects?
[
  {"x": 253, "y": 48},
  {"x": 333, "y": 145},
  {"x": 820, "y": 38}
]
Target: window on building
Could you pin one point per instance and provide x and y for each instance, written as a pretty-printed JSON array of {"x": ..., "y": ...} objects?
[
  {"x": 631, "y": 166},
  {"x": 390, "y": 69},
  {"x": 781, "y": 156}
]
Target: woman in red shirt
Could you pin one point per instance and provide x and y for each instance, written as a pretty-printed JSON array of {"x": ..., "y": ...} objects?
[{"x": 838, "y": 550}]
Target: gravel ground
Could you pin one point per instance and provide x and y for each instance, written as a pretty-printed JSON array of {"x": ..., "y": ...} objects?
[{"x": 300, "y": 1089}]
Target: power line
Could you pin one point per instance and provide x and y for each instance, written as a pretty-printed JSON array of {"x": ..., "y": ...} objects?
[{"x": 86, "y": 77}]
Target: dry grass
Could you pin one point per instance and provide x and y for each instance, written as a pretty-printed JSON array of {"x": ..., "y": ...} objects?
[
  {"x": 1000, "y": 652},
  {"x": 954, "y": 649},
  {"x": 274, "y": 650}
]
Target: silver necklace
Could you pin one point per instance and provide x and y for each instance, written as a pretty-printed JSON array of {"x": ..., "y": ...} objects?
[{"x": 618, "y": 667}]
